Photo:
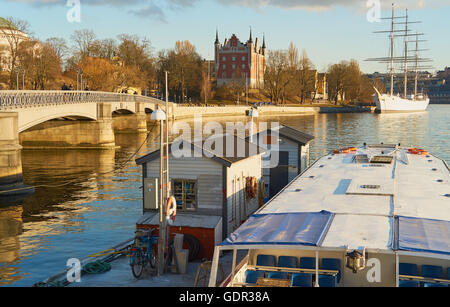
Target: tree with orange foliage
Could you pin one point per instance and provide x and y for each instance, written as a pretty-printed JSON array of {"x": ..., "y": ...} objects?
[{"x": 99, "y": 74}]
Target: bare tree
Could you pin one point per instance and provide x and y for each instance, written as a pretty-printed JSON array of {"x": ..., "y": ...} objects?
[
  {"x": 276, "y": 76},
  {"x": 15, "y": 32},
  {"x": 306, "y": 77},
  {"x": 84, "y": 40}
]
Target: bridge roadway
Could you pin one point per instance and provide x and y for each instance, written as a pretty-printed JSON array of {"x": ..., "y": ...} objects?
[{"x": 31, "y": 114}]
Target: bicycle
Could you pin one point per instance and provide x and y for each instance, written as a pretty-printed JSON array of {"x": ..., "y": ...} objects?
[{"x": 143, "y": 252}]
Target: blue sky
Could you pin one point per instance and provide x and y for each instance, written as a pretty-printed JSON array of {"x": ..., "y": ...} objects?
[{"x": 329, "y": 31}]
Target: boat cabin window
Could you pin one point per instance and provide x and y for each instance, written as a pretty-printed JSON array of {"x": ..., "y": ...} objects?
[{"x": 185, "y": 192}]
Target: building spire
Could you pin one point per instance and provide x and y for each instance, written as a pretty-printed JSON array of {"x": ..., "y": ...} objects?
[
  {"x": 250, "y": 40},
  {"x": 264, "y": 41},
  {"x": 217, "y": 37}
]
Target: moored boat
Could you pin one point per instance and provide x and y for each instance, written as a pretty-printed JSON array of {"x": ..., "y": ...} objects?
[{"x": 376, "y": 215}]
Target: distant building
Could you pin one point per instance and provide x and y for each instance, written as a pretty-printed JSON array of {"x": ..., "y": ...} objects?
[
  {"x": 320, "y": 86},
  {"x": 237, "y": 62}
]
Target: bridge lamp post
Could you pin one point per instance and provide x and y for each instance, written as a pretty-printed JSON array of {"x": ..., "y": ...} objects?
[
  {"x": 23, "y": 79},
  {"x": 80, "y": 73},
  {"x": 17, "y": 78}
]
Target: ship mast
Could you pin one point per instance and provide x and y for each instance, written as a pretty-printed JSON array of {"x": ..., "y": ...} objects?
[
  {"x": 392, "y": 52},
  {"x": 405, "y": 82},
  {"x": 417, "y": 66}
]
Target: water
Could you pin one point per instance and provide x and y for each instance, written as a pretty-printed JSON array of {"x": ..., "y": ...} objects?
[{"x": 99, "y": 198}]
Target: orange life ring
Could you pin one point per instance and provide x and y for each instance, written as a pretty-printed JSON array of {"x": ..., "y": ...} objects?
[{"x": 171, "y": 209}]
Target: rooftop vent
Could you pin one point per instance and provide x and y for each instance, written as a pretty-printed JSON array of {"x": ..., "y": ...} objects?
[
  {"x": 370, "y": 186},
  {"x": 361, "y": 159},
  {"x": 381, "y": 159}
]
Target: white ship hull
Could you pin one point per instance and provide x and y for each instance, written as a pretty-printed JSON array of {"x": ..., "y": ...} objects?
[{"x": 388, "y": 103}]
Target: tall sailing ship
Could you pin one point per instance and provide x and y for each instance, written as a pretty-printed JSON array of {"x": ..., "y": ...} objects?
[{"x": 402, "y": 102}]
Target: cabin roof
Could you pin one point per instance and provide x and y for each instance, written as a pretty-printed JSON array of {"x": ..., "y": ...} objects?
[
  {"x": 225, "y": 149},
  {"x": 290, "y": 133}
]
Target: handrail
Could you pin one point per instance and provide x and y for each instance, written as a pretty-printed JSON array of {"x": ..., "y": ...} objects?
[
  {"x": 24, "y": 99},
  {"x": 290, "y": 270},
  {"x": 424, "y": 279}
]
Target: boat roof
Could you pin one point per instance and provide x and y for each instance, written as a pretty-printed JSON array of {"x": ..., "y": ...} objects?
[{"x": 401, "y": 205}]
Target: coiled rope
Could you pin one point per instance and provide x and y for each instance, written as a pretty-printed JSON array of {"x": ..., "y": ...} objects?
[{"x": 96, "y": 267}]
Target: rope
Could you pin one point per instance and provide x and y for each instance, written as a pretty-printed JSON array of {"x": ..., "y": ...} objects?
[
  {"x": 42, "y": 284},
  {"x": 96, "y": 267},
  {"x": 106, "y": 253}
]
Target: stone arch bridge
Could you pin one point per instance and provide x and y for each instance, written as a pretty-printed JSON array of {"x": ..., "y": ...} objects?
[{"x": 34, "y": 117}]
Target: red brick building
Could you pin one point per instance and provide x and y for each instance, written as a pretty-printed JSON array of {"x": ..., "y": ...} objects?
[{"x": 237, "y": 62}]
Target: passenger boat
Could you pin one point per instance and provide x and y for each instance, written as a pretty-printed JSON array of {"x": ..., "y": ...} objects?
[{"x": 377, "y": 215}]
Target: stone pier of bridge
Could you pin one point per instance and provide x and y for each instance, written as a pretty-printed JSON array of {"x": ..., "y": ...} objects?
[{"x": 11, "y": 181}]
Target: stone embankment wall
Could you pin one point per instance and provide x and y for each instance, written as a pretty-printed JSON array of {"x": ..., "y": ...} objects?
[{"x": 180, "y": 112}]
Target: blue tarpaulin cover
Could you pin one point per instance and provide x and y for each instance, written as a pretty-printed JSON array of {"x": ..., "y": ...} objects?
[
  {"x": 304, "y": 228},
  {"x": 423, "y": 235}
]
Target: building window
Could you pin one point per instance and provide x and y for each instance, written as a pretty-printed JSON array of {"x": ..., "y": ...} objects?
[
  {"x": 224, "y": 66},
  {"x": 224, "y": 75},
  {"x": 224, "y": 59},
  {"x": 243, "y": 66},
  {"x": 233, "y": 58},
  {"x": 243, "y": 58},
  {"x": 233, "y": 66},
  {"x": 185, "y": 192}
]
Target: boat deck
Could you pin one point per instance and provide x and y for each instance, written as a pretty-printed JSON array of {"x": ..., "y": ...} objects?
[{"x": 366, "y": 196}]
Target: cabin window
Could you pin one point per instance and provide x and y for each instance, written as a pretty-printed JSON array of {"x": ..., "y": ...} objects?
[{"x": 185, "y": 192}]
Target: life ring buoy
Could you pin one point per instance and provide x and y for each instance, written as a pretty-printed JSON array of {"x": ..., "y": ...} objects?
[
  {"x": 171, "y": 209},
  {"x": 251, "y": 187}
]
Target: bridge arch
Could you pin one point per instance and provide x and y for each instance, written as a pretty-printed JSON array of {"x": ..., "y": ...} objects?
[{"x": 51, "y": 116}]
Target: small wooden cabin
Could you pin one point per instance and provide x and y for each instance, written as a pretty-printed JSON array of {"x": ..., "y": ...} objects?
[
  {"x": 211, "y": 187},
  {"x": 292, "y": 159}
]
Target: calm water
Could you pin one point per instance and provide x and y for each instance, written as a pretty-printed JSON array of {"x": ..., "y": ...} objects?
[{"x": 101, "y": 200}]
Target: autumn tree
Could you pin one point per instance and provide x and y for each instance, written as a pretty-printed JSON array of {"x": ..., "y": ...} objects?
[
  {"x": 306, "y": 77},
  {"x": 276, "y": 75},
  {"x": 206, "y": 83},
  {"x": 184, "y": 66},
  {"x": 41, "y": 63},
  {"x": 100, "y": 74},
  {"x": 15, "y": 32}
]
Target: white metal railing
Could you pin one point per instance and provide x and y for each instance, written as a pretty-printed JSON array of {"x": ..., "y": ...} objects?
[{"x": 25, "y": 99}]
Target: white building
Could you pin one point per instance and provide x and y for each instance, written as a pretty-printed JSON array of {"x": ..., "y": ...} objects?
[{"x": 9, "y": 34}]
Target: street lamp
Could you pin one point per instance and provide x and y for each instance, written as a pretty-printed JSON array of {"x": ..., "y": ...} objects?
[
  {"x": 160, "y": 116},
  {"x": 253, "y": 113}
]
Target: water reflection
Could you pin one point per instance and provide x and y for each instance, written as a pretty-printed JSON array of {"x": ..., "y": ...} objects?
[{"x": 98, "y": 199}]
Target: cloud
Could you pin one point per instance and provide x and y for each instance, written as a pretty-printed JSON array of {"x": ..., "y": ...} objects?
[
  {"x": 320, "y": 5},
  {"x": 151, "y": 10},
  {"x": 158, "y": 9}
]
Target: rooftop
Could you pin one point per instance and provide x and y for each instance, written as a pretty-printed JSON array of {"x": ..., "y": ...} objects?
[{"x": 6, "y": 24}]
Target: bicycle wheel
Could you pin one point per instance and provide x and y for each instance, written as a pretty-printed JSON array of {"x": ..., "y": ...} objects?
[
  {"x": 137, "y": 263},
  {"x": 153, "y": 256}
]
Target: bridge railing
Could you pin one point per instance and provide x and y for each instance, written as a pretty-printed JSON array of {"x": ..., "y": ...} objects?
[{"x": 25, "y": 99}]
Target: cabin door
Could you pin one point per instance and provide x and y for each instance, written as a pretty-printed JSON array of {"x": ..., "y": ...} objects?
[{"x": 279, "y": 175}]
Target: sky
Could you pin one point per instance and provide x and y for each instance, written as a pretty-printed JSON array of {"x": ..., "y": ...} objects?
[{"x": 328, "y": 30}]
